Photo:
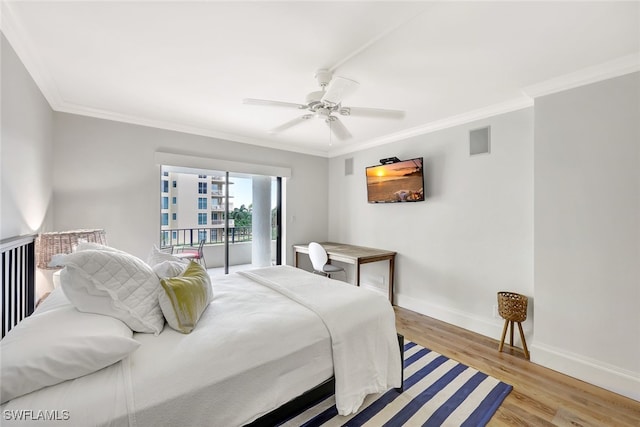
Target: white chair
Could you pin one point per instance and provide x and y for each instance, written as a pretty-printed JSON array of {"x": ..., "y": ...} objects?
[{"x": 319, "y": 259}]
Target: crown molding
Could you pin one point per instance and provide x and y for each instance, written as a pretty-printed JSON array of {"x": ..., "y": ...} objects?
[
  {"x": 13, "y": 31},
  {"x": 607, "y": 70},
  {"x": 460, "y": 119},
  {"x": 17, "y": 37},
  {"x": 176, "y": 127}
]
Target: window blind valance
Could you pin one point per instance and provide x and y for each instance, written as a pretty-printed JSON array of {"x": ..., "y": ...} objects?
[{"x": 179, "y": 161}]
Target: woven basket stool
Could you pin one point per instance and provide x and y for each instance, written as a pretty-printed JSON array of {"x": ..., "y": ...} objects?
[{"x": 513, "y": 308}]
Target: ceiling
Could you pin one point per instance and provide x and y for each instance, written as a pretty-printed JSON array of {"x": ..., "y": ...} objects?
[{"x": 187, "y": 66}]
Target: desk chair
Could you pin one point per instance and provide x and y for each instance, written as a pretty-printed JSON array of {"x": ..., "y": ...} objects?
[
  {"x": 319, "y": 260},
  {"x": 193, "y": 254}
]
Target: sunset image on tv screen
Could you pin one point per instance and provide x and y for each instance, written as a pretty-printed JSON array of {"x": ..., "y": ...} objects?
[{"x": 396, "y": 182}]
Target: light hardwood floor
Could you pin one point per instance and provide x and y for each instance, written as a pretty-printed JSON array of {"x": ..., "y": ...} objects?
[{"x": 540, "y": 396}]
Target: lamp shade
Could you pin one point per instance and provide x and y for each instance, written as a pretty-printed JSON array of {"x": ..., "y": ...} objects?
[{"x": 64, "y": 242}]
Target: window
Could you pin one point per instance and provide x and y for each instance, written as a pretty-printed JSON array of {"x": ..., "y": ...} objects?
[{"x": 206, "y": 207}]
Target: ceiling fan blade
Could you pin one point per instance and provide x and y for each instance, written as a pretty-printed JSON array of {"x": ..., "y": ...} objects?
[
  {"x": 337, "y": 128},
  {"x": 371, "y": 112},
  {"x": 253, "y": 101},
  {"x": 290, "y": 123},
  {"x": 338, "y": 89}
]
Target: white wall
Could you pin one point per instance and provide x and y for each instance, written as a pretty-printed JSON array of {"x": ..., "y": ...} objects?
[
  {"x": 472, "y": 237},
  {"x": 587, "y": 233},
  {"x": 26, "y": 149},
  {"x": 105, "y": 176}
]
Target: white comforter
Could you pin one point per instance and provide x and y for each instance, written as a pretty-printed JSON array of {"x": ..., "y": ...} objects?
[
  {"x": 252, "y": 351},
  {"x": 366, "y": 358}
]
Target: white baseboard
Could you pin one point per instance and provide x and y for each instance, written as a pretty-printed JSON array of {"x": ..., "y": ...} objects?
[
  {"x": 486, "y": 326},
  {"x": 612, "y": 378},
  {"x": 626, "y": 383}
]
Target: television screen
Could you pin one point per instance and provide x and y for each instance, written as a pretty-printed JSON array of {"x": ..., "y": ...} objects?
[{"x": 396, "y": 182}]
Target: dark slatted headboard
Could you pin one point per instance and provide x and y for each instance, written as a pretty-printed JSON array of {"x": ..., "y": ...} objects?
[{"x": 18, "y": 280}]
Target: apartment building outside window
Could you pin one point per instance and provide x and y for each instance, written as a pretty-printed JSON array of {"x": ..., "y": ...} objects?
[{"x": 219, "y": 209}]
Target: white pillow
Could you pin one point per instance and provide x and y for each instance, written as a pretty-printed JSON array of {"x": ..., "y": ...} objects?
[
  {"x": 167, "y": 269},
  {"x": 59, "y": 345},
  {"x": 56, "y": 299},
  {"x": 114, "y": 284},
  {"x": 85, "y": 246},
  {"x": 156, "y": 256}
]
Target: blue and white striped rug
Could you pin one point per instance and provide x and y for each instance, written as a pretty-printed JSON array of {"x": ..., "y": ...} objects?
[{"x": 437, "y": 392}]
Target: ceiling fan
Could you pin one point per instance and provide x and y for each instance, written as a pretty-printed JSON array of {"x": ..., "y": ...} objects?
[{"x": 326, "y": 104}]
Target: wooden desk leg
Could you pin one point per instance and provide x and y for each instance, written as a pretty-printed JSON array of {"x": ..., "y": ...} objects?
[
  {"x": 391, "y": 268},
  {"x": 357, "y": 278}
]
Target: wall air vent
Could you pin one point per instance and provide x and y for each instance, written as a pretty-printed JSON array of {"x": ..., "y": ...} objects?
[{"x": 480, "y": 141}]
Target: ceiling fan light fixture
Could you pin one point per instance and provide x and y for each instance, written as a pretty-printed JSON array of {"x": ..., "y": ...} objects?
[{"x": 323, "y": 103}]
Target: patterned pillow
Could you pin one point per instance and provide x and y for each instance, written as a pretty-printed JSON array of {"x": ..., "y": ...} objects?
[
  {"x": 186, "y": 297},
  {"x": 115, "y": 284}
]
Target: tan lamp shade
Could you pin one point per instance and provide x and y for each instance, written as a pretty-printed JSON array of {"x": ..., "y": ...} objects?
[{"x": 64, "y": 242}]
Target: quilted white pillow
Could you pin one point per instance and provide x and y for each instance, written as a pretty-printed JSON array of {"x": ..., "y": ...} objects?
[
  {"x": 115, "y": 284},
  {"x": 58, "y": 345},
  {"x": 85, "y": 246}
]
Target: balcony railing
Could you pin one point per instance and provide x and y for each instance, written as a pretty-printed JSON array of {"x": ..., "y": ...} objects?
[{"x": 211, "y": 236}]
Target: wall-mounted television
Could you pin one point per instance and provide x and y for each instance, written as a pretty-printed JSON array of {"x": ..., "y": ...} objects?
[{"x": 401, "y": 181}]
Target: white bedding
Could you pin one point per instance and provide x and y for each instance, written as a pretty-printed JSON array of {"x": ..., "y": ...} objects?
[
  {"x": 252, "y": 351},
  {"x": 362, "y": 328}
]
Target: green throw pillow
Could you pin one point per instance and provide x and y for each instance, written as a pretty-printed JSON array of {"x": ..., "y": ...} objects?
[{"x": 186, "y": 297}]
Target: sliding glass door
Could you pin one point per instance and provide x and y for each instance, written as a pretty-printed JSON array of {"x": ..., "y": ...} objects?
[{"x": 237, "y": 215}]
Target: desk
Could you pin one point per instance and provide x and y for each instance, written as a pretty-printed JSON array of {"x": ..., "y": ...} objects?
[{"x": 356, "y": 255}]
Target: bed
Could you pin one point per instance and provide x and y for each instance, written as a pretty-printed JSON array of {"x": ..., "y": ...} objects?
[{"x": 269, "y": 339}]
